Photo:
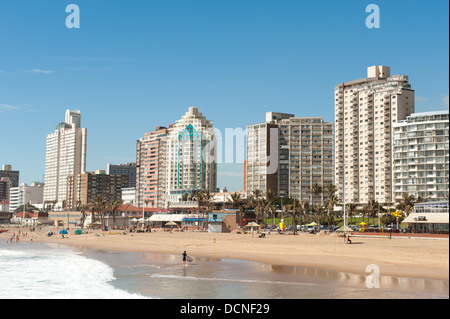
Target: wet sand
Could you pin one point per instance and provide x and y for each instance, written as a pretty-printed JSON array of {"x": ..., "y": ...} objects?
[{"x": 400, "y": 257}]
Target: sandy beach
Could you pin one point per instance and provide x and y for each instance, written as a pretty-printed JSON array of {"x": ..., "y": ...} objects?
[{"x": 402, "y": 257}]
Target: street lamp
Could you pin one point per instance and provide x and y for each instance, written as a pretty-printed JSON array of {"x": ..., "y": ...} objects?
[{"x": 343, "y": 196}]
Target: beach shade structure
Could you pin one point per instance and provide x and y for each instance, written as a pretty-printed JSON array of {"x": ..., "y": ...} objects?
[
  {"x": 252, "y": 224},
  {"x": 344, "y": 229},
  {"x": 63, "y": 232},
  {"x": 78, "y": 232},
  {"x": 134, "y": 220}
]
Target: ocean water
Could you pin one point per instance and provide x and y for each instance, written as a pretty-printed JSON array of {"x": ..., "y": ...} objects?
[{"x": 32, "y": 270}]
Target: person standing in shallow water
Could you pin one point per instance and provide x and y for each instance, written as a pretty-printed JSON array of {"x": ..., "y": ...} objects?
[{"x": 184, "y": 256}]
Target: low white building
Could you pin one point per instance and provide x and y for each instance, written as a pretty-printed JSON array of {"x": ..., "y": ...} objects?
[
  {"x": 129, "y": 195},
  {"x": 33, "y": 195}
]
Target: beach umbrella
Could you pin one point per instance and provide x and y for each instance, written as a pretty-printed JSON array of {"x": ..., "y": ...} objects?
[
  {"x": 63, "y": 232},
  {"x": 252, "y": 224},
  {"x": 344, "y": 229},
  {"x": 312, "y": 224},
  {"x": 171, "y": 223}
]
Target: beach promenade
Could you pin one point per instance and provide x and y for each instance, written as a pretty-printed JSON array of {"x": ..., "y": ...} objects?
[{"x": 414, "y": 257}]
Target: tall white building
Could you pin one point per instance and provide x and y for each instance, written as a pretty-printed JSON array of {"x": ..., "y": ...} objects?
[
  {"x": 421, "y": 156},
  {"x": 191, "y": 156},
  {"x": 365, "y": 112},
  {"x": 65, "y": 156}
]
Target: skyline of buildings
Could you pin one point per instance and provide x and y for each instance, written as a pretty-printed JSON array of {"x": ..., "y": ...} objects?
[{"x": 287, "y": 154}]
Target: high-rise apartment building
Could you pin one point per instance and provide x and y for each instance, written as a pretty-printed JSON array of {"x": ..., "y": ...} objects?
[
  {"x": 86, "y": 187},
  {"x": 191, "y": 156},
  {"x": 5, "y": 189},
  {"x": 8, "y": 172},
  {"x": 175, "y": 160},
  {"x": 128, "y": 169},
  {"x": 151, "y": 168},
  {"x": 261, "y": 166},
  {"x": 365, "y": 112},
  {"x": 65, "y": 156},
  {"x": 421, "y": 156},
  {"x": 289, "y": 154}
]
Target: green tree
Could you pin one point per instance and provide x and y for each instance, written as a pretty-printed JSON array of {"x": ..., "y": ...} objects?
[{"x": 316, "y": 190}]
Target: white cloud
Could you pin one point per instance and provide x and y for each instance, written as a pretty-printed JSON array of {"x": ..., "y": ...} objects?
[
  {"x": 445, "y": 99},
  {"x": 42, "y": 71},
  {"x": 7, "y": 107}
]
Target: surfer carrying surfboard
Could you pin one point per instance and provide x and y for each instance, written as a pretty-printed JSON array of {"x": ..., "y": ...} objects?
[{"x": 186, "y": 258}]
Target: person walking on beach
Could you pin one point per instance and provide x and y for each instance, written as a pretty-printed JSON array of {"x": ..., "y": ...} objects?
[{"x": 185, "y": 257}]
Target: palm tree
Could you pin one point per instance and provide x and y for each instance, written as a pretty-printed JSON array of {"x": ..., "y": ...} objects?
[
  {"x": 302, "y": 208},
  {"x": 286, "y": 210},
  {"x": 373, "y": 207},
  {"x": 351, "y": 210},
  {"x": 297, "y": 207},
  {"x": 98, "y": 206},
  {"x": 270, "y": 195},
  {"x": 406, "y": 203},
  {"x": 112, "y": 207},
  {"x": 318, "y": 209},
  {"x": 235, "y": 199},
  {"x": 364, "y": 211},
  {"x": 316, "y": 190},
  {"x": 83, "y": 209},
  {"x": 331, "y": 203},
  {"x": 257, "y": 193},
  {"x": 272, "y": 210},
  {"x": 205, "y": 200}
]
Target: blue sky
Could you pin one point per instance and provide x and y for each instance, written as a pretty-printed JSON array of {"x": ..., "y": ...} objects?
[{"x": 135, "y": 65}]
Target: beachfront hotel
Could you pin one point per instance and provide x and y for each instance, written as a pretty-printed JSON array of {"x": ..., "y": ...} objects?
[
  {"x": 151, "y": 168},
  {"x": 366, "y": 111},
  {"x": 173, "y": 161},
  {"x": 191, "y": 156},
  {"x": 65, "y": 156},
  {"x": 421, "y": 156},
  {"x": 302, "y": 149}
]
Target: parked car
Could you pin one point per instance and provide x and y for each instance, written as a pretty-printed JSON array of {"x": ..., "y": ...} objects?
[{"x": 390, "y": 228}]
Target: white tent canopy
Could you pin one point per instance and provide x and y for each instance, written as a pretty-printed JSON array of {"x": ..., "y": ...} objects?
[{"x": 167, "y": 217}]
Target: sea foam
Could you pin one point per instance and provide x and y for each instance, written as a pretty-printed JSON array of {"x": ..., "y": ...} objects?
[{"x": 40, "y": 272}]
